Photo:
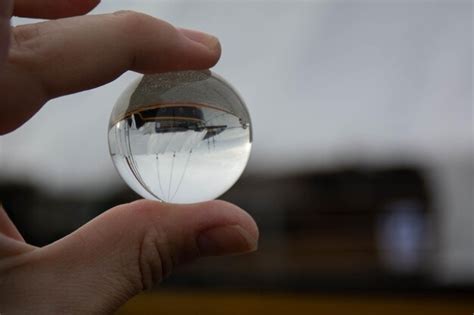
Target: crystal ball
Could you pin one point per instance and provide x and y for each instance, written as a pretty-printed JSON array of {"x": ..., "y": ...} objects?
[{"x": 180, "y": 137}]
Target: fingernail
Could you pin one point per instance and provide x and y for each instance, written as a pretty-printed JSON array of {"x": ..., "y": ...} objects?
[
  {"x": 211, "y": 42},
  {"x": 224, "y": 240}
]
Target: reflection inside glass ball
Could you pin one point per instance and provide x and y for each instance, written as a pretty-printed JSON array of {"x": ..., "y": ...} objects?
[{"x": 180, "y": 137}]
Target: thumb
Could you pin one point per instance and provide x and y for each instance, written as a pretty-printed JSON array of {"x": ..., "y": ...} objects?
[{"x": 134, "y": 246}]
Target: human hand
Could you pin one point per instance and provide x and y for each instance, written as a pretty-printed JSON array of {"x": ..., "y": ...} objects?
[{"x": 132, "y": 246}]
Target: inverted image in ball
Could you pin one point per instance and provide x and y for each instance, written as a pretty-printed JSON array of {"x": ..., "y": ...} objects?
[{"x": 180, "y": 137}]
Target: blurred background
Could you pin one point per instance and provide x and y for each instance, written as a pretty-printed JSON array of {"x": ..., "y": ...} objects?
[{"x": 361, "y": 175}]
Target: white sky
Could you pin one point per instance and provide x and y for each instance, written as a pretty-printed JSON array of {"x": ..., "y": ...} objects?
[{"x": 325, "y": 83}]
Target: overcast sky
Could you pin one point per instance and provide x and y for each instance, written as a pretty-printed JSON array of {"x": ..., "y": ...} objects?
[{"x": 324, "y": 82}]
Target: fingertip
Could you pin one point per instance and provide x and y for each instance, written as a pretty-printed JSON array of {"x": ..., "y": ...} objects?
[
  {"x": 225, "y": 240},
  {"x": 240, "y": 216},
  {"x": 209, "y": 41},
  {"x": 199, "y": 50},
  {"x": 156, "y": 46}
]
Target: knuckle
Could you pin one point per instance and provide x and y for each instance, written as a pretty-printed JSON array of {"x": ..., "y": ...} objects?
[
  {"x": 133, "y": 21},
  {"x": 23, "y": 33},
  {"x": 29, "y": 43},
  {"x": 154, "y": 256},
  {"x": 124, "y": 12},
  {"x": 25, "y": 38},
  {"x": 149, "y": 210},
  {"x": 155, "y": 260},
  {"x": 158, "y": 250}
]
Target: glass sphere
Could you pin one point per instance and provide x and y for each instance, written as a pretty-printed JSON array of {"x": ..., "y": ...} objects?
[{"x": 180, "y": 137}]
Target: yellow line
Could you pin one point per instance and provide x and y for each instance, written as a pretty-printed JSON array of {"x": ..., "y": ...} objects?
[
  {"x": 170, "y": 118},
  {"x": 167, "y": 105},
  {"x": 198, "y": 302}
]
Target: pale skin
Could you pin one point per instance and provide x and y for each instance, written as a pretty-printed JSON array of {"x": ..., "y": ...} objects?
[{"x": 131, "y": 247}]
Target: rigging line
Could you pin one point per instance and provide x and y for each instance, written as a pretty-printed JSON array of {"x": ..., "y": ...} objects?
[
  {"x": 171, "y": 176},
  {"x": 170, "y": 140},
  {"x": 169, "y": 104},
  {"x": 182, "y": 175},
  {"x": 132, "y": 163},
  {"x": 158, "y": 175}
]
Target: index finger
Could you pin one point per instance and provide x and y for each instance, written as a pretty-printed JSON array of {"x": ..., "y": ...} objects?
[{"x": 65, "y": 56}]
